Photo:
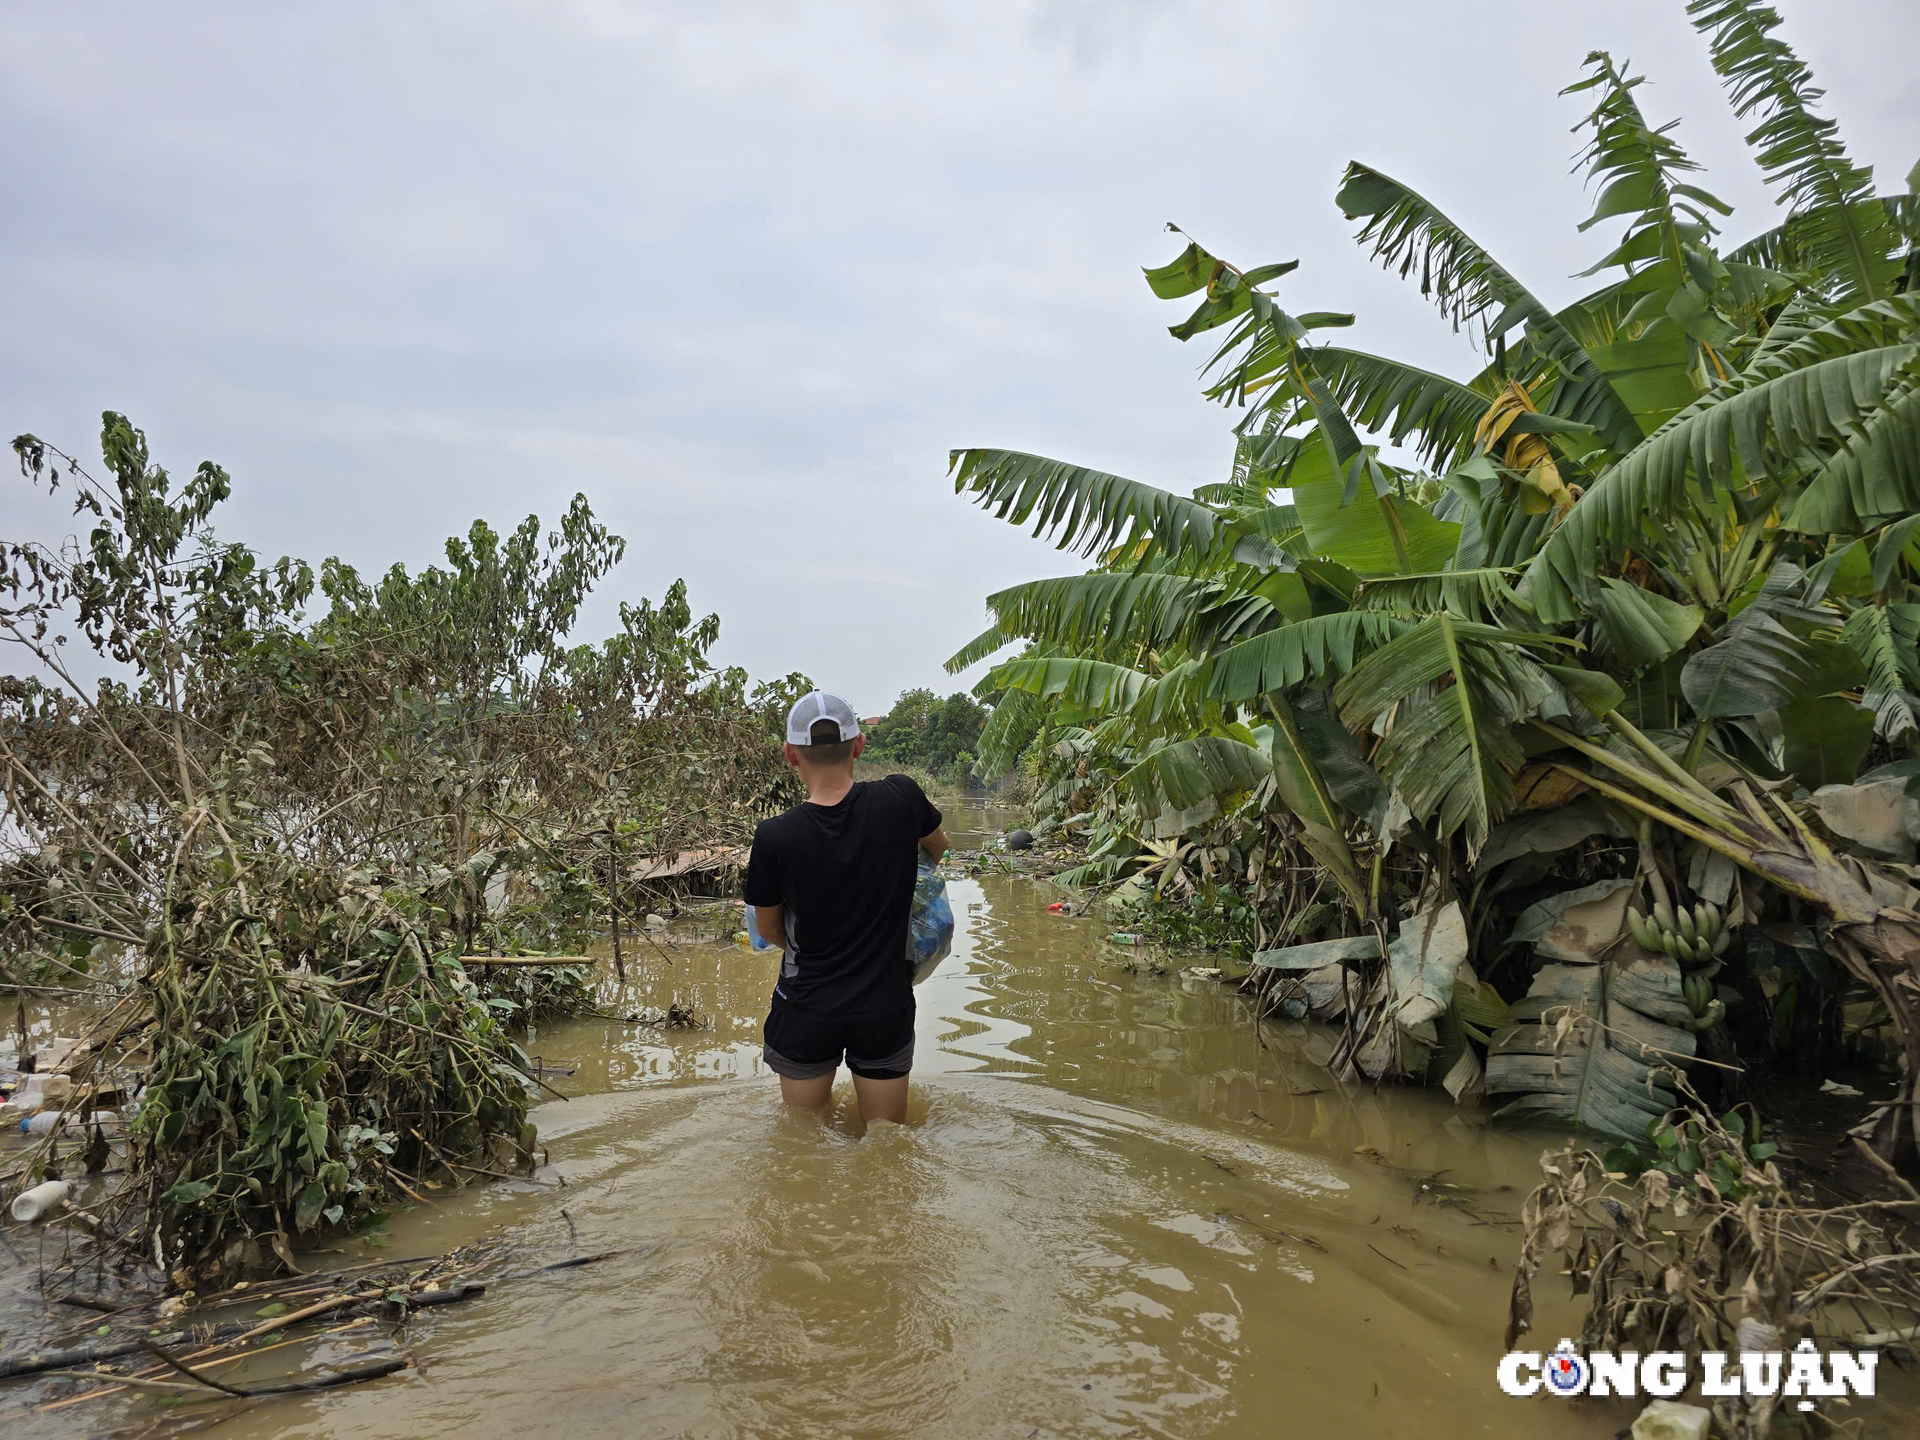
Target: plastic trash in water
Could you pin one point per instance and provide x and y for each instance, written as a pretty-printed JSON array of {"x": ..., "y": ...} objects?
[
  {"x": 50, "y": 1088},
  {"x": 930, "y": 923},
  {"x": 41, "y": 1201},
  {"x": 1126, "y": 937},
  {"x": 40, "y": 1092},
  {"x": 54, "y": 1118},
  {"x": 1057, "y": 908}
]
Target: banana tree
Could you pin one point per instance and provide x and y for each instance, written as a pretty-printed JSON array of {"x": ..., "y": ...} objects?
[{"x": 1660, "y": 548}]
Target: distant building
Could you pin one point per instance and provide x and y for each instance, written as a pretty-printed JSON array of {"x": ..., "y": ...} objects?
[{"x": 867, "y": 722}]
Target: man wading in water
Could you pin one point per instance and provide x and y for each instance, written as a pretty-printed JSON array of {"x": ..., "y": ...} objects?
[{"x": 831, "y": 884}]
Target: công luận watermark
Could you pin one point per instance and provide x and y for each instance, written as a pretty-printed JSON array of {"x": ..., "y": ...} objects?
[{"x": 1804, "y": 1374}]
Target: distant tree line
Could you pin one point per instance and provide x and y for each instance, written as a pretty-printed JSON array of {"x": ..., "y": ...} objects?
[{"x": 927, "y": 733}]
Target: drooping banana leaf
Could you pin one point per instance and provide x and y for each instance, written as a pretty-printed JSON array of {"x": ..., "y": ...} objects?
[
  {"x": 1303, "y": 790},
  {"x": 1886, "y": 638},
  {"x": 1875, "y": 472},
  {"x": 1094, "y": 685},
  {"x": 1759, "y": 666},
  {"x": 1114, "y": 612},
  {"x": 987, "y": 642},
  {"x": 1640, "y": 627},
  {"x": 1091, "y": 510},
  {"x": 1009, "y": 730},
  {"x": 1895, "y": 540},
  {"x": 1611, "y": 1029},
  {"x": 1321, "y": 648},
  {"x": 1354, "y": 784},
  {"x": 1436, "y": 414},
  {"x": 1484, "y": 594},
  {"x": 1374, "y": 533},
  {"x": 1457, "y": 690},
  {"x": 1468, "y": 284},
  {"x": 1422, "y": 962},
  {"x": 1185, "y": 774},
  {"x": 1610, "y": 1026}
]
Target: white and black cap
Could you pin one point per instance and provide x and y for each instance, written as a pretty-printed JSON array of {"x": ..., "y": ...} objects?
[{"x": 811, "y": 709}]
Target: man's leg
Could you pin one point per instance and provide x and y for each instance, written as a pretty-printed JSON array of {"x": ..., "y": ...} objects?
[
  {"x": 812, "y": 1094},
  {"x": 881, "y": 1099},
  {"x": 805, "y": 1055},
  {"x": 880, "y": 1053}
]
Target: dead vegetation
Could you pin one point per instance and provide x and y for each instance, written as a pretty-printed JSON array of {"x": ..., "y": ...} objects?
[
  {"x": 1698, "y": 1241},
  {"x": 292, "y": 806}
]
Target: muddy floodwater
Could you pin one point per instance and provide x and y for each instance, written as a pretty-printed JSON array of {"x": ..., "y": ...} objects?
[{"x": 1112, "y": 1213}]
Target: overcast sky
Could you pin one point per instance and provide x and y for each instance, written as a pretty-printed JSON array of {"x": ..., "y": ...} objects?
[{"x": 745, "y": 273}]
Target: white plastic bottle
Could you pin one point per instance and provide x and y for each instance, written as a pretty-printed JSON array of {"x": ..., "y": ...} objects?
[
  {"x": 41, "y": 1201},
  {"x": 40, "y": 1124}
]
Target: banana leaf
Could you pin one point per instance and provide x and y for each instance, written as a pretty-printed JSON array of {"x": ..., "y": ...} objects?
[
  {"x": 1592, "y": 1039},
  {"x": 1423, "y": 961},
  {"x": 1599, "y": 1061},
  {"x": 1346, "y": 948}
]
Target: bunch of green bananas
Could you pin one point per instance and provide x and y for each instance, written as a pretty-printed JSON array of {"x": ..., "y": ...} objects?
[
  {"x": 1693, "y": 937},
  {"x": 1697, "y": 986}
]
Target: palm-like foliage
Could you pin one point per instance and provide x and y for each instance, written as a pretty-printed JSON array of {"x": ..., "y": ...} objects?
[
  {"x": 1840, "y": 231},
  {"x": 1674, "y": 518}
]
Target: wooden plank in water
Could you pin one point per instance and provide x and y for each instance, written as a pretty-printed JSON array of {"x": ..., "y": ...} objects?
[
  {"x": 689, "y": 862},
  {"x": 549, "y": 961}
]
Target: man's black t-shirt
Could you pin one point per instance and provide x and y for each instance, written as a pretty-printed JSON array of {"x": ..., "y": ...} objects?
[{"x": 845, "y": 874}]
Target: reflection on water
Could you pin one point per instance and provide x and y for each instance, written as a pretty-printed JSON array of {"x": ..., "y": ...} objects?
[{"x": 1112, "y": 1213}]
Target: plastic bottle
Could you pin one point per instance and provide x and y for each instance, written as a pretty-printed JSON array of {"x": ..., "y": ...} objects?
[
  {"x": 41, "y": 1201},
  {"x": 51, "y": 1090},
  {"x": 1125, "y": 937},
  {"x": 41, "y": 1123}
]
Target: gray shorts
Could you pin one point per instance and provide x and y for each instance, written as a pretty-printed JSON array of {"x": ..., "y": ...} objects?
[{"x": 804, "y": 1044}]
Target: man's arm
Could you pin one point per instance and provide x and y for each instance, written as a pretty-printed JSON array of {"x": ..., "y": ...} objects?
[
  {"x": 935, "y": 845},
  {"x": 771, "y": 922}
]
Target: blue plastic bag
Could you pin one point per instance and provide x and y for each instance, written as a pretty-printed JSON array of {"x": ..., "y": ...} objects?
[
  {"x": 753, "y": 932},
  {"x": 930, "y": 923}
]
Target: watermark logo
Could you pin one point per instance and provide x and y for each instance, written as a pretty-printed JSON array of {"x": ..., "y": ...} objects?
[
  {"x": 1565, "y": 1371},
  {"x": 1803, "y": 1374}
]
